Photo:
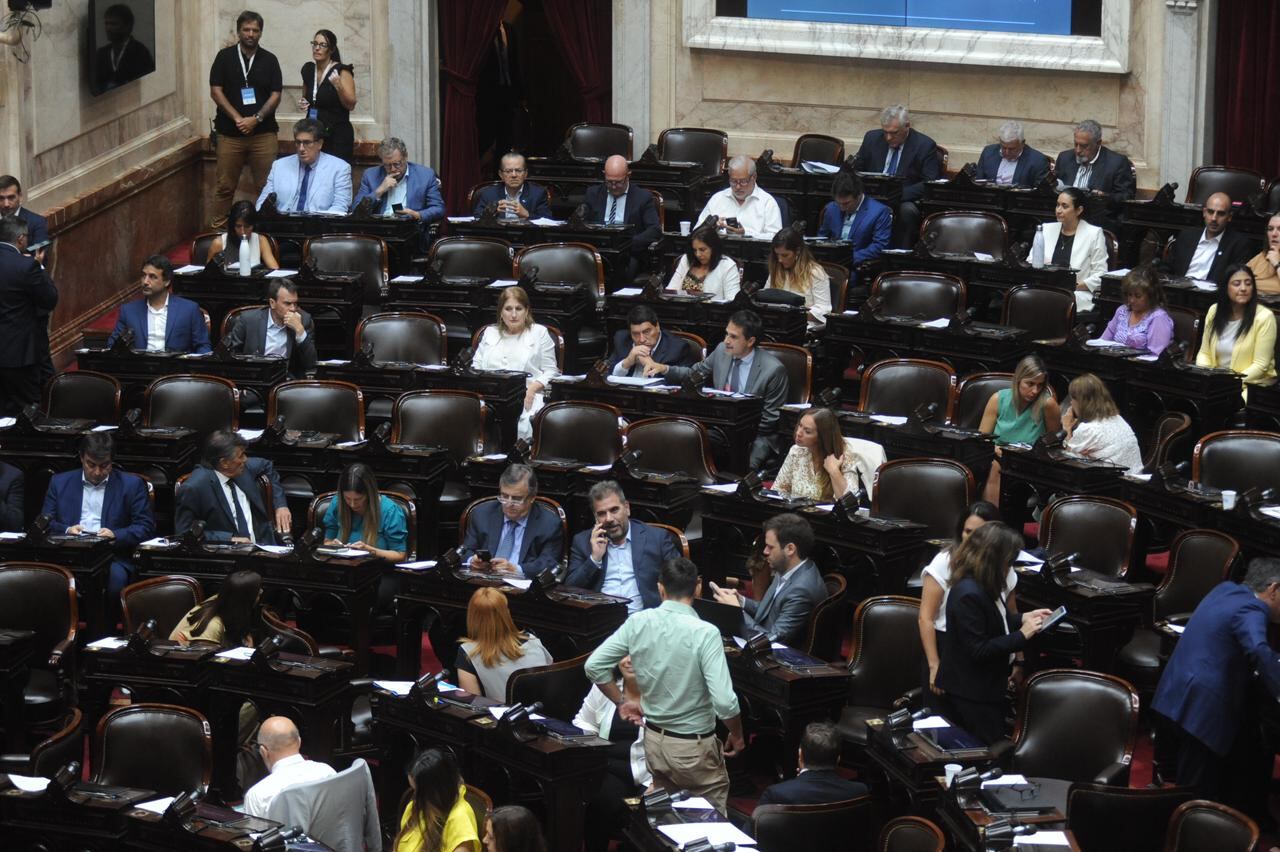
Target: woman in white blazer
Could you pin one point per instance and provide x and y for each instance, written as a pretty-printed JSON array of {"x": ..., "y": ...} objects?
[
  {"x": 1073, "y": 242},
  {"x": 515, "y": 342}
]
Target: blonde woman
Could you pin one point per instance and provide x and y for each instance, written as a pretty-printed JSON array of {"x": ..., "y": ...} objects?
[
  {"x": 494, "y": 648},
  {"x": 825, "y": 465},
  {"x": 1095, "y": 428},
  {"x": 515, "y": 342},
  {"x": 1019, "y": 414},
  {"x": 793, "y": 268}
]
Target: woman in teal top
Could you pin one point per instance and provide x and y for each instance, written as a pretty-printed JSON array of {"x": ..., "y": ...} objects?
[
  {"x": 1019, "y": 414},
  {"x": 364, "y": 519}
]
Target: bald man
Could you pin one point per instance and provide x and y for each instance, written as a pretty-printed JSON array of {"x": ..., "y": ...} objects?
[
  {"x": 1206, "y": 253},
  {"x": 617, "y": 202},
  {"x": 280, "y": 747}
]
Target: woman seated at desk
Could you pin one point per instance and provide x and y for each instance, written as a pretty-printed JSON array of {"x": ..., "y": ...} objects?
[
  {"x": 628, "y": 774},
  {"x": 438, "y": 817},
  {"x": 362, "y": 518},
  {"x": 515, "y": 342},
  {"x": 1141, "y": 322},
  {"x": 1019, "y": 414},
  {"x": 823, "y": 464},
  {"x": 1266, "y": 263},
  {"x": 494, "y": 649},
  {"x": 241, "y": 222},
  {"x": 792, "y": 268},
  {"x": 1095, "y": 428},
  {"x": 1073, "y": 243},
  {"x": 1238, "y": 333},
  {"x": 703, "y": 268},
  {"x": 227, "y": 619}
]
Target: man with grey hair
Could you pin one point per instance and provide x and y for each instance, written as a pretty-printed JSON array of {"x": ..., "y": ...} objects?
[
  {"x": 619, "y": 556},
  {"x": 1090, "y": 165},
  {"x": 280, "y": 746},
  {"x": 1011, "y": 161},
  {"x": 513, "y": 534},
  {"x": 401, "y": 188},
  {"x": 899, "y": 150},
  {"x": 514, "y": 197},
  {"x": 744, "y": 209}
]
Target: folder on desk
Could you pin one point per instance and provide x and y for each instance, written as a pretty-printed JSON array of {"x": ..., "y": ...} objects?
[{"x": 1023, "y": 799}]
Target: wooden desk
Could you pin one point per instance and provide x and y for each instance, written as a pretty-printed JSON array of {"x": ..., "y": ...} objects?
[
  {"x": 641, "y": 833},
  {"x": 684, "y": 186},
  {"x": 705, "y": 318},
  {"x": 1047, "y": 473},
  {"x": 911, "y": 763},
  {"x": 611, "y": 242},
  {"x": 138, "y": 369},
  {"x": 1262, "y": 411},
  {"x": 966, "y": 818},
  {"x": 83, "y": 822},
  {"x": 402, "y": 235},
  {"x": 88, "y": 560},
  {"x": 1181, "y": 505},
  {"x": 167, "y": 672},
  {"x": 1022, "y": 208},
  {"x": 16, "y": 650},
  {"x": 985, "y": 280},
  {"x": 784, "y": 700}
]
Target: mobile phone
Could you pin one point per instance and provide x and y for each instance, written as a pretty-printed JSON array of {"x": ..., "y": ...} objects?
[
  {"x": 1054, "y": 617},
  {"x": 35, "y": 247},
  {"x": 484, "y": 555},
  {"x": 732, "y": 221},
  {"x": 397, "y": 208}
]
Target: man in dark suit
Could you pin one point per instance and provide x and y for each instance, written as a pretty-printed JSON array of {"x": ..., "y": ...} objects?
[
  {"x": 1205, "y": 689},
  {"x": 818, "y": 782},
  {"x": 1205, "y": 254},
  {"x": 414, "y": 188},
  {"x": 1011, "y": 161},
  {"x": 12, "y": 507},
  {"x": 123, "y": 58},
  {"x": 1091, "y": 166},
  {"x": 643, "y": 343},
  {"x": 516, "y": 198},
  {"x": 282, "y": 329},
  {"x": 857, "y": 218},
  {"x": 97, "y": 500},
  {"x": 523, "y": 537},
  {"x": 619, "y": 556},
  {"x": 161, "y": 321},
  {"x": 27, "y": 296},
  {"x": 617, "y": 202},
  {"x": 897, "y": 149},
  {"x": 38, "y": 246},
  {"x": 228, "y": 475}
]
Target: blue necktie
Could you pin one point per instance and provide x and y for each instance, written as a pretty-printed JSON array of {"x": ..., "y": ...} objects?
[
  {"x": 734, "y": 371},
  {"x": 242, "y": 523},
  {"x": 508, "y": 542},
  {"x": 302, "y": 190},
  {"x": 893, "y": 163}
]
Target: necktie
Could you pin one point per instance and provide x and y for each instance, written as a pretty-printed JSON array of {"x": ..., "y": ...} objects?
[
  {"x": 734, "y": 372},
  {"x": 302, "y": 190},
  {"x": 242, "y": 523},
  {"x": 893, "y": 163},
  {"x": 613, "y": 210},
  {"x": 508, "y": 542}
]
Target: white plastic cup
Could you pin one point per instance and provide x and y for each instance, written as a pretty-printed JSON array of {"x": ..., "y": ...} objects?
[
  {"x": 950, "y": 771},
  {"x": 1228, "y": 500},
  {"x": 685, "y": 227}
]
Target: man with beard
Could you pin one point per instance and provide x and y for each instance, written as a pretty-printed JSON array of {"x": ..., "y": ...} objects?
[
  {"x": 619, "y": 556},
  {"x": 1091, "y": 166}
]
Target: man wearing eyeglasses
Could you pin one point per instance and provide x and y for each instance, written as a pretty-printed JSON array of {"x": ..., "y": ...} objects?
[
  {"x": 312, "y": 181},
  {"x": 516, "y": 198},
  {"x": 744, "y": 209},
  {"x": 519, "y": 535}
]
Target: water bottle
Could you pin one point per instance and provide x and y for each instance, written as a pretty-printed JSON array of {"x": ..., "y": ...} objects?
[
  {"x": 245, "y": 269},
  {"x": 1037, "y": 248}
]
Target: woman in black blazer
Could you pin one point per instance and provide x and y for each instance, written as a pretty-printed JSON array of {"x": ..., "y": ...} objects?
[{"x": 982, "y": 636}]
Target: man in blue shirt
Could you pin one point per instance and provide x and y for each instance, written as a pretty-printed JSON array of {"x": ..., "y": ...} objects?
[
  {"x": 619, "y": 556},
  {"x": 312, "y": 181},
  {"x": 857, "y": 218},
  {"x": 401, "y": 188}
]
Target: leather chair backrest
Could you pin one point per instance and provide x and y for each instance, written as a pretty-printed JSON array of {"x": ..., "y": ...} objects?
[
  {"x": 930, "y": 295},
  {"x": 1122, "y": 819},
  {"x": 838, "y": 278},
  {"x": 60, "y": 748},
  {"x": 573, "y": 263},
  {"x": 83, "y": 394},
  {"x": 833, "y": 827},
  {"x": 899, "y": 386},
  {"x": 585, "y": 432},
  {"x": 204, "y": 403},
  {"x": 1237, "y": 459},
  {"x": 452, "y": 419},
  {"x": 41, "y": 598},
  {"x": 1240, "y": 184},
  {"x": 818, "y": 148},
  {"x": 799, "y": 364},
  {"x": 975, "y": 392},
  {"x": 352, "y": 253},
  {"x": 540, "y": 500},
  {"x": 1198, "y": 561},
  {"x": 320, "y": 507},
  {"x": 1100, "y": 529},
  {"x": 886, "y": 656},
  {"x": 1187, "y": 324},
  {"x": 1046, "y": 312},
  {"x": 1273, "y": 196},
  {"x": 418, "y": 338},
  {"x": 1074, "y": 725},
  {"x": 823, "y": 636},
  {"x": 1169, "y": 436},
  {"x": 600, "y": 141},
  {"x": 159, "y": 747},
  {"x": 294, "y": 640},
  {"x": 166, "y": 599},
  {"x": 697, "y": 345},
  {"x": 966, "y": 231},
  {"x": 559, "y": 686},
  {"x": 933, "y": 492},
  {"x": 911, "y": 834},
  {"x": 200, "y": 245},
  {"x": 1199, "y": 824},
  {"x": 673, "y": 445},
  {"x": 309, "y": 405},
  {"x": 695, "y": 145},
  {"x": 472, "y": 257}
]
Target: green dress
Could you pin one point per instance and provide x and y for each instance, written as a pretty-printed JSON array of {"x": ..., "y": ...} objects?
[{"x": 1013, "y": 427}]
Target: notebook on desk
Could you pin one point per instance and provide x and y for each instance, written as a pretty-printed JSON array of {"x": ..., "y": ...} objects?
[
  {"x": 726, "y": 617},
  {"x": 951, "y": 739},
  {"x": 1016, "y": 799}
]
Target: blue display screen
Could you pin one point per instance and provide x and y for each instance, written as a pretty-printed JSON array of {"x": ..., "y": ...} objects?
[{"x": 1048, "y": 17}]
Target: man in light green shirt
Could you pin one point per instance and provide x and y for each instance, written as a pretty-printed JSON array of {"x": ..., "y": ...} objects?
[{"x": 684, "y": 687}]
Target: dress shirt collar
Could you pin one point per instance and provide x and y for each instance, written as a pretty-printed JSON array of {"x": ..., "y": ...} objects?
[
  {"x": 746, "y": 364},
  {"x": 1095, "y": 157},
  {"x": 1205, "y": 238},
  {"x": 626, "y": 542},
  {"x": 163, "y": 307},
  {"x": 679, "y": 608},
  {"x": 87, "y": 484},
  {"x": 286, "y": 762},
  {"x": 223, "y": 479},
  {"x": 756, "y": 192},
  {"x": 271, "y": 322}
]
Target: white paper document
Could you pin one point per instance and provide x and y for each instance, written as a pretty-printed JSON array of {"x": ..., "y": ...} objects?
[
  {"x": 1023, "y": 556},
  {"x": 241, "y": 653},
  {"x": 723, "y": 488},
  {"x": 983, "y": 256},
  {"x": 462, "y": 218},
  {"x": 1203, "y": 285},
  {"x": 500, "y": 711},
  {"x": 1043, "y": 838},
  {"x": 275, "y": 548},
  {"x": 250, "y": 434},
  {"x": 188, "y": 269},
  {"x": 6, "y": 422},
  {"x": 889, "y": 419},
  {"x": 715, "y": 832},
  {"x": 282, "y": 273},
  {"x": 108, "y": 643},
  {"x": 156, "y": 806},
  {"x": 940, "y": 322},
  {"x": 406, "y": 279},
  {"x": 159, "y": 541},
  {"x": 399, "y": 687},
  {"x": 1005, "y": 781},
  {"x": 545, "y": 222},
  {"x": 697, "y": 803},
  {"x": 518, "y": 582},
  {"x": 628, "y": 291},
  {"x": 1178, "y": 628},
  {"x": 420, "y": 565},
  {"x": 634, "y": 381},
  {"x": 929, "y": 722},
  {"x": 12, "y": 536},
  {"x": 813, "y": 167},
  {"x": 29, "y": 784}
]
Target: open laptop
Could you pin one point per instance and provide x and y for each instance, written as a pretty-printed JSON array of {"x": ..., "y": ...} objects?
[{"x": 726, "y": 617}]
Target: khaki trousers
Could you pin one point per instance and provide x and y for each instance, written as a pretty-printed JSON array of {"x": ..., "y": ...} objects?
[
  {"x": 693, "y": 765},
  {"x": 234, "y": 152}
]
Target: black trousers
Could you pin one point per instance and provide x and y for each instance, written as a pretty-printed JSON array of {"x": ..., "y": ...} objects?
[
  {"x": 1241, "y": 778},
  {"x": 606, "y": 812},
  {"x": 19, "y": 387},
  {"x": 983, "y": 719}
]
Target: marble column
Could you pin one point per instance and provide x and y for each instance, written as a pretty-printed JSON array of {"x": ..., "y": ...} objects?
[
  {"x": 632, "y": 67},
  {"x": 413, "y": 105},
  {"x": 1185, "y": 99}
]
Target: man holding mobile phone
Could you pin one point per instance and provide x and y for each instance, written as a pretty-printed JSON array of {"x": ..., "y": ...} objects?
[
  {"x": 744, "y": 209},
  {"x": 401, "y": 188},
  {"x": 515, "y": 198},
  {"x": 515, "y": 534},
  {"x": 619, "y": 556}
]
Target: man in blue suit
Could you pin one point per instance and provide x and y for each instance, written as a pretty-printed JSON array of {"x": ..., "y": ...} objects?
[
  {"x": 619, "y": 556},
  {"x": 516, "y": 198},
  {"x": 898, "y": 149},
  {"x": 643, "y": 343},
  {"x": 856, "y": 217},
  {"x": 161, "y": 321},
  {"x": 12, "y": 495},
  {"x": 312, "y": 181},
  {"x": 1011, "y": 161},
  {"x": 1204, "y": 690},
  {"x": 523, "y": 537},
  {"x": 401, "y": 188},
  {"x": 97, "y": 500},
  {"x": 11, "y": 205},
  {"x": 223, "y": 492},
  {"x": 818, "y": 781}
]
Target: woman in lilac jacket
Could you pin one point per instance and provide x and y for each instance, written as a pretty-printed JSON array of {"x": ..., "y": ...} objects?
[{"x": 1141, "y": 322}]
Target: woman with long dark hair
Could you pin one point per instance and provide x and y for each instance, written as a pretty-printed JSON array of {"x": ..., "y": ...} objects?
[
  {"x": 512, "y": 828},
  {"x": 438, "y": 817},
  {"x": 241, "y": 224},
  {"x": 361, "y": 517},
  {"x": 792, "y": 267},
  {"x": 1238, "y": 335},
  {"x": 228, "y": 619},
  {"x": 823, "y": 464},
  {"x": 703, "y": 268},
  {"x": 329, "y": 94},
  {"x": 1073, "y": 243}
]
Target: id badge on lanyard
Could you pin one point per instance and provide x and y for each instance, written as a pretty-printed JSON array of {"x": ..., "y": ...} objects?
[
  {"x": 248, "y": 96},
  {"x": 313, "y": 113}
]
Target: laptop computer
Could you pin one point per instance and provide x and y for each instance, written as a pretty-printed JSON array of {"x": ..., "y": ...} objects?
[{"x": 726, "y": 617}]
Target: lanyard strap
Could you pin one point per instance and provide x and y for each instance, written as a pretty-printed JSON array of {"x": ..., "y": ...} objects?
[
  {"x": 317, "y": 79},
  {"x": 243, "y": 68}
]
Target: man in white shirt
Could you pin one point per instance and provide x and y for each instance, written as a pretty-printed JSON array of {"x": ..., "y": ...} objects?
[
  {"x": 161, "y": 321},
  {"x": 281, "y": 747},
  {"x": 1205, "y": 254},
  {"x": 754, "y": 212}
]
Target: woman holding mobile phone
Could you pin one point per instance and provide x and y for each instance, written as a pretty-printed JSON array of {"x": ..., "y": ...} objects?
[{"x": 329, "y": 94}]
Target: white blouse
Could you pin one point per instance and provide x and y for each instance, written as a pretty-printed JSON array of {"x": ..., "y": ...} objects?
[
  {"x": 723, "y": 282},
  {"x": 1110, "y": 439},
  {"x": 799, "y": 477},
  {"x": 939, "y": 568},
  {"x": 817, "y": 297},
  {"x": 596, "y": 717},
  {"x": 532, "y": 352}
]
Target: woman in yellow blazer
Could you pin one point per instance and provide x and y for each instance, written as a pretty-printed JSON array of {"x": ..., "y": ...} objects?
[{"x": 1238, "y": 333}]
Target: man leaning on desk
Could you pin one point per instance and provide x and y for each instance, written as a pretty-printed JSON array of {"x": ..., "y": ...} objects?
[
  {"x": 515, "y": 197},
  {"x": 161, "y": 321},
  {"x": 523, "y": 537},
  {"x": 223, "y": 492},
  {"x": 855, "y": 217},
  {"x": 644, "y": 343},
  {"x": 310, "y": 181},
  {"x": 280, "y": 330}
]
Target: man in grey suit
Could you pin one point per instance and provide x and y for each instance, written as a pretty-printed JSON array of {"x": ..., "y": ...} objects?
[
  {"x": 282, "y": 329},
  {"x": 737, "y": 365},
  {"x": 797, "y": 588}
]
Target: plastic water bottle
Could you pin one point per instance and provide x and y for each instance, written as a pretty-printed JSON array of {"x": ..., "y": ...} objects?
[
  {"x": 1037, "y": 248},
  {"x": 244, "y": 257}
]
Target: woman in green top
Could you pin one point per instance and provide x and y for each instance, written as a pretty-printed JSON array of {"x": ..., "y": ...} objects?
[{"x": 1019, "y": 414}]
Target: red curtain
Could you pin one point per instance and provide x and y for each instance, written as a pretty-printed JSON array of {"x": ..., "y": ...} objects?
[
  {"x": 583, "y": 32},
  {"x": 466, "y": 31},
  {"x": 1247, "y": 86}
]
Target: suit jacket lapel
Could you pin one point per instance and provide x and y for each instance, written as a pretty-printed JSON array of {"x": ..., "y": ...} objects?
[
  {"x": 109, "y": 497},
  {"x": 222, "y": 499}
]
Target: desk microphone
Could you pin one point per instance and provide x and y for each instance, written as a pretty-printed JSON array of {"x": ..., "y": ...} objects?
[{"x": 702, "y": 844}]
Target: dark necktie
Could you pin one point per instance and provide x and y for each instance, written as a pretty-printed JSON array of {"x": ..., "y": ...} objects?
[
  {"x": 613, "y": 209},
  {"x": 302, "y": 190},
  {"x": 735, "y": 371},
  {"x": 242, "y": 523},
  {"x": 893, "y": 163}
]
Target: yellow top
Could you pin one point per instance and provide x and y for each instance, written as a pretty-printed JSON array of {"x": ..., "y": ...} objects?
[
  {"x": 459, "y": 828},
  {"x": 1254, "y": 354}
]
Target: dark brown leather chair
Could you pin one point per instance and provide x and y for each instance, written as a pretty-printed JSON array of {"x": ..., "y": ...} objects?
[
  {"x": 51, "y": 753},
  {"x": 822, "y": 638},
  {"x": 320, "y": 506},
  {"x": 559, "y": 686},
  {"x": 1198, "y": 825},
  {"x": 1273, "y": 196},
  {"x": 1100, "y": 529},
  {"x": 229, "y": 319},
  {"x": 1077, "y": 726},
  {"x": 944, "y": 160},
  {"x": 929, "y": 295},
  {"x": 1106, "y": 818},
  {"x": 311, "y": 405},
  {"x": 472, "y": 257},
  {"x": 418, "y": 338},
  {"x": 453, "y": 419},
  {"x": 966, "y": 232},
  {"x": 1238, "y": 459},
  {"x": 799, "y": 364},
  {"x": 583, "y": 432},
  {"x": 166, "y": 599},
  {"x": 834, "y": 827},
  {"x": 1046, "y": 312},
  {"x": 481, "y": 804},
  {"x": 698, "y": 345},
  {"x": 573, "y": 263},
  {"x": 974, "y": 394},
  {"x": 838, "y": 276},
  {"x": 933, "y": 492},
  {"x": 898, "y": 386},
  {"x": 695, "y": 145},
  {"x": 818, "y": 148},
  {"x": 159, "y": 747},
  {"x": 42, "y": 598},
  {"x": 83, "y": 394},
  {"x": 556, "y": 336},
  {"x": 193, "y": 401},
  {"x": 911, "y": 834},
  {"x": 1240, "y": 184},
  {"x": 545, "y": 502},
  {"x": 885, "y": 662},
  {"x": 352, "y": 253},
  {"x": 673, "y": 445},
  {"x": 295, "y": 639},
  {"x": 682, "y": 543},
  {"x": 1169, "y": 436},
  {"x": 599, "y": 141},
  {"x": 1187, "y": 324}
]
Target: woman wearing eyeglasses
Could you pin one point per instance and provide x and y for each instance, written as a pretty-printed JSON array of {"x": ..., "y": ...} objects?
[{"x": 329, "y": 94}]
